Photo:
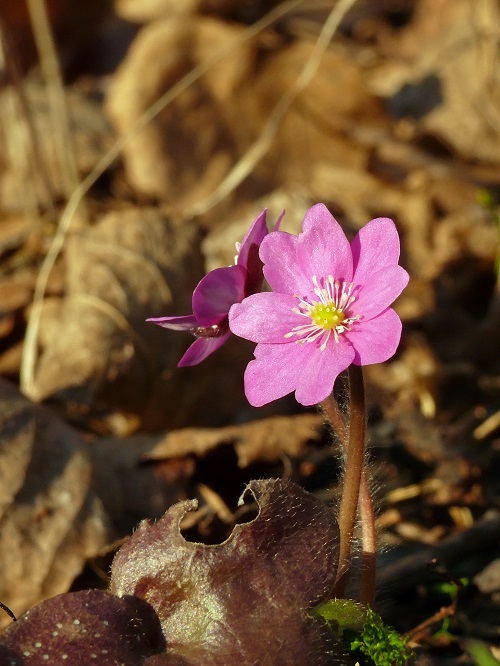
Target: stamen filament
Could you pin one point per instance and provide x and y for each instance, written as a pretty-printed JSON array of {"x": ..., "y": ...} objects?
[{"x": 328, "y": 316}]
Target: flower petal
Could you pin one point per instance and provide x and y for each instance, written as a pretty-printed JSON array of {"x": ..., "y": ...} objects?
[
  {"x": 281, "y": 269},
  {"x": 265, "y": 317},
  {"x": 254, "y": 236},
  {"x": 379, "y": 291},
  {"x": 321, "y": 369},
  {"x": 216, "y": 292},
  {"x": 278, "y": 369},
  {"x": 322, "y": 247},
  {"x": 202, "y": 348},
  {"x": 376, "y": 340},
  {"x": 375, "y": 246},
  {"x": 180, "y": 323},
  {"x": 273, "y": 374}
]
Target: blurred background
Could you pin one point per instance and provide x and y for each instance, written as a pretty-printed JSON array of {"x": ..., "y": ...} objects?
[{"x": 138, "y": 141}]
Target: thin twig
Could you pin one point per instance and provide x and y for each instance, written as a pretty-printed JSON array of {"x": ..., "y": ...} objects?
[
  {"x": 8, "y": 611},
  {"x": 422, "y": 630},
  {"x": 414, "y": 569}
]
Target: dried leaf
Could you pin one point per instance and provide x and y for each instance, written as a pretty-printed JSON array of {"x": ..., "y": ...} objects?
[
  {"x": 131, "y": 265},
  {"x": 49, "y": 520},
  {"x": 263, "y": 440},
  {"x": 166, "y": 158},
  {"x": 90, "y": 132},
  {"x": 143, "y": 11},
  {"x": 454, "y": 44},
  {"x": 244, "y": 601},
  {"x": 130, "y": 490}
]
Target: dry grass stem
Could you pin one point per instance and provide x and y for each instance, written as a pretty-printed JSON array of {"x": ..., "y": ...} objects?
[
  {"x": 18, "y": 141},
  {"x": 51, "y": 70}
]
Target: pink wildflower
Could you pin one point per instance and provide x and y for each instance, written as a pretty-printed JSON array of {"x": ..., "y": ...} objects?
[
  {"x": 329, "y": 307},
  {"x": 216, "y": 293}
]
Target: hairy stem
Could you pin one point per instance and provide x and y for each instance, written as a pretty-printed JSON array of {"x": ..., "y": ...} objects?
[{"x": 356, "y": 494}]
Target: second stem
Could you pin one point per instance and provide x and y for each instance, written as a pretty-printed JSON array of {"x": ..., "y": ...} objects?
[{"x": 354, "y": 464}]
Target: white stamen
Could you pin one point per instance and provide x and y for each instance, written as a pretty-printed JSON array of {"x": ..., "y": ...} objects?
[{"x": 336, "y": 297}]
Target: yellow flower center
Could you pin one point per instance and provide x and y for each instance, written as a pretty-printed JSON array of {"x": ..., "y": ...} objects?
[
  {"x": 329, "y": 317},
  {"x": 326, "y": 315}
]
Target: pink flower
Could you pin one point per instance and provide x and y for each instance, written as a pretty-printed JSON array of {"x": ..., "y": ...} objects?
[
  {"x": 329, "y": 307},
  {"x": 216, "y": 293}
]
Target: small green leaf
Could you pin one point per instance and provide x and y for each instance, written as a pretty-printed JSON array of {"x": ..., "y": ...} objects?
[{"x": 341, "y": 614}]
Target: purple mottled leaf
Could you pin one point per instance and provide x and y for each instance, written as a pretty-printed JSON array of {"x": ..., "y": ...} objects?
[
  {"x": 244, "y": 601},
  {"x": 83, "y": 628}
]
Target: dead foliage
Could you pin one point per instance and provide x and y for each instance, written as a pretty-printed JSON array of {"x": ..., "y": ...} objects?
[{"x": 166, "y": 117}]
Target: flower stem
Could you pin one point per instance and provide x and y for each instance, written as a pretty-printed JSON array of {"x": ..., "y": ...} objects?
[{"x": 356, "y": 493}]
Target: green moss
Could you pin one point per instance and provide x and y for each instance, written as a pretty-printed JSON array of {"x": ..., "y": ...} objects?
[
  {"x": 381, "y": 643},
  {"x": 365, "y": 633}
]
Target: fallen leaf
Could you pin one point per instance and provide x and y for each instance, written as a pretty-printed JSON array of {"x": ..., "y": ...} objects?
[
  {"x": 131, "y": 490},
  {"x": 244, "y": 601},
  {"x": 131, "y": 265},
  {"x": 50, "y": 521},
  {"x": 166, "y": 159},
  {"x": 90, "y": 132},
  {"x": 263, "y": 440}
]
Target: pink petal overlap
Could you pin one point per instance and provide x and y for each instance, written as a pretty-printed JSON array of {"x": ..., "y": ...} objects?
[
  {"x": 375, "y": 247},
  {"x": 377, "y": 339},
  {"x": 322, "y": 247},
  {"x": 379, "y": 291},
  {"x": 281, "y": 269},
  {"x": 216, "y": 292},
  {"x": 272, "y": 375},
  {"x": 265, "y": 317},
  {"x": 254, "y": 236}
]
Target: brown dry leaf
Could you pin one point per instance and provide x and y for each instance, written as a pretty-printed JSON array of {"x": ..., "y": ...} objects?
[
  {"x": 50, "y": 521},
  {"x": 315, "y": 131},
  {"x": 187, "y": 149},
  {"x": 14, "y": 295},
  {"x": 190, "y": 146},
  {"x": 143, "y": 11},
  {"x": 90, "y": 132},
  {"x": 264, "y": 440},
  {"x": 132, "y": 265},
  {"x": 131, "y": 490},
  {"x": 451, "y": 56},
  {"x": 14, "y": 231}
]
